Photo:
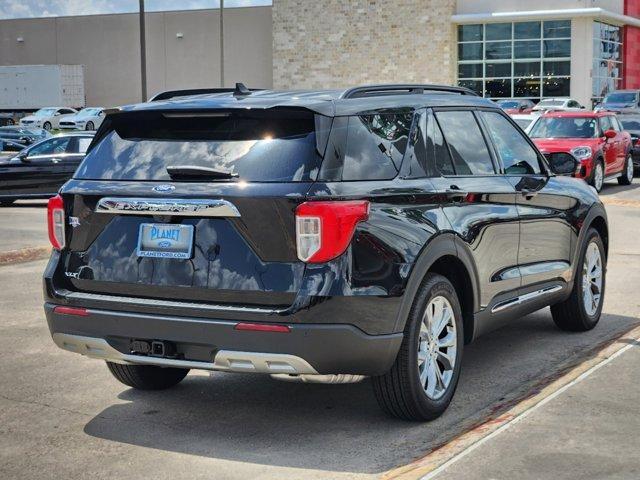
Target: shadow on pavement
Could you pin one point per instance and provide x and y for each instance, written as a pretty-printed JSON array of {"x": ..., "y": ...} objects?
[{"x": 254, "y": 419}]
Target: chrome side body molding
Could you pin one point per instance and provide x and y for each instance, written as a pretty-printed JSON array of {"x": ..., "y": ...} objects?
[
  {"x": 224, "y": 360},
  {"x": 160, "y": 206},
  {"x": 524, "y": 298}
]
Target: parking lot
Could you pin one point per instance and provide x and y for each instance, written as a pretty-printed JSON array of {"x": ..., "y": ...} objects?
[{"x": 64, "y": 413}]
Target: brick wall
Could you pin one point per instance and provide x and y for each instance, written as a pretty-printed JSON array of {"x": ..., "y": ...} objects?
[
  {"x": 334, "y": 43},
  {"x": 631, "y": 65}
]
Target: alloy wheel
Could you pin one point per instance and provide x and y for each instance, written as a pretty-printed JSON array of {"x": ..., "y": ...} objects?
[
  {"x": 437, "y": 347},
  {"x": 598, "y": 177},
  {"x": 592, "y": 279}
]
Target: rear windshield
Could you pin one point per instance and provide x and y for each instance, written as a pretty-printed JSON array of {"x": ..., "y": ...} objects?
[
  {"x": 628, "y": 97},
  {"x": 508, "y": 104},
  {"x": 630, "y": 122},
  {"x": 283, "y": 145}
]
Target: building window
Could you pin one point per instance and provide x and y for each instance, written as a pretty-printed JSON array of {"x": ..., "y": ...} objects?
[
  {"x": 516, "y": 60},
  {"x": 607, "y": 59}
]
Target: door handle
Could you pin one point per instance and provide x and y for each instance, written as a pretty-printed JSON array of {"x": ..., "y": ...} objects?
[{"x": 528, "y": 193}]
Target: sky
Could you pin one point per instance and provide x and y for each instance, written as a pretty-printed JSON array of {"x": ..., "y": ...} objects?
[{"x": 56, "y": 8}]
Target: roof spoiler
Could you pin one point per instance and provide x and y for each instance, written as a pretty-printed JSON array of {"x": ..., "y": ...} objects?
[
  {"x": 403, "y": 89},
  {"x": 239, "y": 91}
]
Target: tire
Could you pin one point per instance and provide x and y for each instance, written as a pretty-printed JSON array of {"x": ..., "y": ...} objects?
[
  {"x": 147, "y": 377},
  {"x": 595, "y": 182},
  {"x": 400, "y": 392},
  {"x": 89, "y": 126},
  {"x": 47, "y": 126},
  {"x": 572, "y": 314},
  {"x": 627, "y": 172}
]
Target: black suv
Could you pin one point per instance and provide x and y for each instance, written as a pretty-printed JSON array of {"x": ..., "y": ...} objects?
[{"x": 373, "y": 231}]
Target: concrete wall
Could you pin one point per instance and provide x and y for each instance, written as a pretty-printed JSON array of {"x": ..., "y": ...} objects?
[
  {"x": 486, "y": 6},
  {"x": 332, "y": 43},
  {"x": 582, "y": 60},
  {"x": 108, "y": 46}
]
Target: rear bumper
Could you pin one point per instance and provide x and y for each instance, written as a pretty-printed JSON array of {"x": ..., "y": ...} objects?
[{"x": 215, "y": 344}]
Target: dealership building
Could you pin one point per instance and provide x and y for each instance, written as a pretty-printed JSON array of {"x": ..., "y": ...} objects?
[{"x": 500, "y": 48}]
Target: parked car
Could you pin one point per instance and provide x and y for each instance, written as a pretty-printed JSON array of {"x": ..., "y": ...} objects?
[
  {"x": 631, "y": 123},
  {"x": 513, "y": 106},
  {"x": 47, "y": 118},
  {"x": 6, "y": 119},
  {"x": 86, "y": 119},
  {"x": 17, "y": 138},
  {"x": 595, "y": 138},
  {"x": 40, "y": 170},
  {"x": 621, "y": 101},
  {"x": 524, "y": 121},
  {"x": 320, "y": 233},
  {"x": 557, "y": 104}
]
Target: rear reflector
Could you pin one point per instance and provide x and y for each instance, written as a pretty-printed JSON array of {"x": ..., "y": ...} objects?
[
  {"x": 55, "y": 222},
  {"x": 261, "y": 327},
  {"x": 80, "y": 312},
  {"x": 324, "y": 229}
]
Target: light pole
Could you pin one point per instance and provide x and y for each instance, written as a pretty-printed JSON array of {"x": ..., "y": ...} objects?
[
  {"x": 221, "y": 43},
  {"x": 143, "y": 54}
]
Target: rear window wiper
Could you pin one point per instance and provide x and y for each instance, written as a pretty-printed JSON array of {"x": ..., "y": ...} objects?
[{"x": 185, "y": 171}]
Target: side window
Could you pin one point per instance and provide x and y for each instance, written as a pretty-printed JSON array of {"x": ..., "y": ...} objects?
[
  {"x": 82, "y": 144},
  {"x": 417, "y": 163},
  {"x": 375, "y": 146},
  {"x": 517, "y": 155},
  {"x": 616, "y": 124},
  {"x": 50, "y": 147},
  {"x": 438, "y": 149},
  {"x": 468, "y": 148},
  {"x": 605, "y": 123}
]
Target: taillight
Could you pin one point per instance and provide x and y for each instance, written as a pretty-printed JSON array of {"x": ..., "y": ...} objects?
[
  {"x": 55, "y": 222},
  {"x": 324, "y": 229}
]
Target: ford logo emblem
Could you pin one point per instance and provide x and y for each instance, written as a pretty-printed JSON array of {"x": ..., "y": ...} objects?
[
  {"x": 164, "y": 244},
  {"x": 164, "y": 188}
]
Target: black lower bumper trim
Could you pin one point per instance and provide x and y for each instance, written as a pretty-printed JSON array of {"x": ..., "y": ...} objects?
[{"x": 329, "y": 348}]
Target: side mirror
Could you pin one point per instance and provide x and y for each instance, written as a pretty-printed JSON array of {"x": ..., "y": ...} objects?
[
  {"x": 562, "y": 163},
  {"x": 609, "y": 134},
  {"x": 582, "y": 107},
  {"x": 523, "y": 107},
  {"x": 23, "y": 156}
]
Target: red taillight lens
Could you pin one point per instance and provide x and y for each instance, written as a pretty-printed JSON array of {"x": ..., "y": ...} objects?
[
  {"x": 79, "y": 312},
  {"x": 55, "y": 222},
  {"x": 324, "y": 229}
]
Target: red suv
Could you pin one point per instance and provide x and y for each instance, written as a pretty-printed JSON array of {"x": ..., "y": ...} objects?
[{"x": 596, "y": 139}]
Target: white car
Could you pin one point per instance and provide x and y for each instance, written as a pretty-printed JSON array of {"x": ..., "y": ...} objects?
[
  {"x": 47, "y": 118},
  {"x": 88, "y": 118},
  {"x": 557, "y": 104},
  {"x": 525, "y": 120}
]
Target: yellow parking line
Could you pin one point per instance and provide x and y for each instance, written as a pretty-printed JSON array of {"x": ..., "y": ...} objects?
[
  {"x": 509, "y": 411},
  {"x": 619, "y": 202}
]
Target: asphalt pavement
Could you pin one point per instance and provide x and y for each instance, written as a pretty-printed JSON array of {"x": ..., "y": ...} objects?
[{"x": 64, "y": 416}]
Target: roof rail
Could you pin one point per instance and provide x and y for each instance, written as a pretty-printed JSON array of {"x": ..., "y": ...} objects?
[
  {"x": 402, "y": 89},
  {"x": 201, "y": 91}
]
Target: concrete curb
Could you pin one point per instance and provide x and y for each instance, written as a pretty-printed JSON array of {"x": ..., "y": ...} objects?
[
  {"x": 24, "y": 255},
  {"x": 513, "y": 406}
]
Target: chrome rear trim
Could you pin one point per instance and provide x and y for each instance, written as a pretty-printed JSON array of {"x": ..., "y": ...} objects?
[
  {"x": 524, "y": 298},
  {"x": 169, "y": 303},
  {"x": 224, "y": 360},
  {"x": 174, "y": 206}
]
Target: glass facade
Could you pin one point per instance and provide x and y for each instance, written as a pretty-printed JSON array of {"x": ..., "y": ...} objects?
[
  {"x": 607, "y": 59},
  {"x": 522, "y": 60}
]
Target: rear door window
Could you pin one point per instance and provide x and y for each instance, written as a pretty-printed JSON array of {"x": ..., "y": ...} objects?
[
  {"x": 517, "y": 155},
  {"x": 279, "y": 145},
  {"x": 468, "y": 148}
]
